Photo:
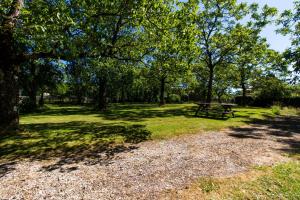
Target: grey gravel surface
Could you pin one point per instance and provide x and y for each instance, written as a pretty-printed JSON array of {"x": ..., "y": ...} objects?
[{"x": 149, "y": 169}]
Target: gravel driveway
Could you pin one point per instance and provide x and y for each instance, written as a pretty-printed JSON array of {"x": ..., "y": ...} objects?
[{"x": 151, "y": 168}]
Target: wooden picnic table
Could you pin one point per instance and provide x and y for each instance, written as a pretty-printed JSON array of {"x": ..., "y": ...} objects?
[{"x": 226, "y": 108}]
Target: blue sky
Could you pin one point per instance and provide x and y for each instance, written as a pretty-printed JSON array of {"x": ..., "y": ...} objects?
[{"x": 276, "y": 41}]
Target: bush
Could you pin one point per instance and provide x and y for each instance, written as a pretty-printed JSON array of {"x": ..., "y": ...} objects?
[
  {"x": 290, "y": 111},
  {"x": 276, "y": 109},
  {"x": 25, "y": 105},
  {"x": 270, "y": 89},
  {"x": 292, "y": 101},
  {"x": 174, "y": 98},
  {"x": 248, "y": 100}
]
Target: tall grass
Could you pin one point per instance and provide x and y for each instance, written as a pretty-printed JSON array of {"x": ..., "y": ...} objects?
[
  {"x": 290, "y": 111},
  {"x": 276, "y": 109}
]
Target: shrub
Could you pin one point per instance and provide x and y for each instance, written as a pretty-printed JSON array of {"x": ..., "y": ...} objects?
[
  {"x": 290, "y": 111},
  {"x": 269, "y": 89},
  {"x": 292, "y": 101},
  {"x": 25, "y": 105},
  {"x": 248, "y": 100},
  {"x": 174, "y": 98},
  {"x": 276, "y": 109}
]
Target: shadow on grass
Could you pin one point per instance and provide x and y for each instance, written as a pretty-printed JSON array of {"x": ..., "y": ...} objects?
[
  {"x": 215, "y": 116},
  {"x": 63, "y": 111},
  {"x": 142, "y": 114},
  {"x": 133, "y": 113},
  {"x": 70, "y": 143},
  {"x": 137, "y": 112},
  {"x": 285, "y": 130}
]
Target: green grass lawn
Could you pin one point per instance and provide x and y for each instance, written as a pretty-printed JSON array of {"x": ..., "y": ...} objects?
[
  {"x": 162, "y": 122},
  {"x": 60, "y": 130},
  {"x": 278, "y": 182}
]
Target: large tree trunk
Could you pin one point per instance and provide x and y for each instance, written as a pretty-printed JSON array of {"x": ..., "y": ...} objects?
[
  {"x": 32, "y": 92},
  {"x": 162, "y": 91},
  {"x": 210, "y": 84},
  {"x": 244, "y": 94},
  {"x": 123, "y": 94},
  {"x": 219, "y": 97},
  {"x": 79, "y": 99},
  {"x": 9, "y": 70},
  {"x": 244, "y": 89},
  {"x": 79, "y": 95},
  {"x": 102, "y": 104},
  {"x": 9, "y": 92},
  {"x": 41, "y": 101}
]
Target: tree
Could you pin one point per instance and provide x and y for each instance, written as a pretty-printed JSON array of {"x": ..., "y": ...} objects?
[
  {"x": 30, "y": 30},
  {"x": 23, "y": 37},
  {"x": 224, "y": 82},
  {"x": 124, "y": 82},
  {"x": 79, "y": 78},
  {"x": 217, "y": 22},
  {"x": 110, "y": 31},
  {"x": 269, "y": 89},
  {"x": 37, "y": 76},
  {"x": 214, "y": 20},
  {"x": 250, "y": 54},
  {"x": 170, "y": 37},
  {"x": 290, "y": 21},
  {"x": 9, "y": 66}
]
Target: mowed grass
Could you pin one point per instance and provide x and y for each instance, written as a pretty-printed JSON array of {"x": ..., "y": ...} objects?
[
  {"x": 278, "y": 182},
  {"x": 66, "y": 130},
  {"x": 162, "y": 122}
]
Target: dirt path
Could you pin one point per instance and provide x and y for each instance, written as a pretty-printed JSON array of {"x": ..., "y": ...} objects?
[{"x": 151, "y": 168}]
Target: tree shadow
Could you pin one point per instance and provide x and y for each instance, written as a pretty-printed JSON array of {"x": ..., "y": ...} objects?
[
  {"x": 285, "y": 130},
  {"x": 6, "y": 168},
  {"x": 214, "y": 116},
  {"x": 126, "y": 112},
  {"x": 63, "y": 111},
  {"x": 244, "y": 133},
  {"x": 140, "y": 113},
  {"x": 70, "y": 143}
]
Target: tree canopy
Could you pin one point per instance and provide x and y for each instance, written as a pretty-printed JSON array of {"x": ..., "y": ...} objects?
[{"x": 136, "y": 50}]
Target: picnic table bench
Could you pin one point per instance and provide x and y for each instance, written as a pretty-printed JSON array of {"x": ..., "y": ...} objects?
[{"x": 218, "y": 108}]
